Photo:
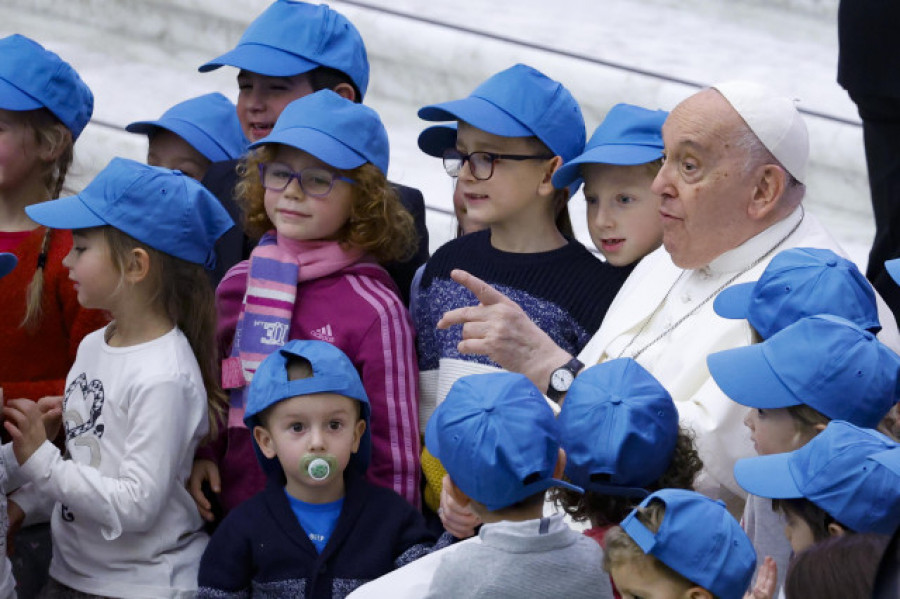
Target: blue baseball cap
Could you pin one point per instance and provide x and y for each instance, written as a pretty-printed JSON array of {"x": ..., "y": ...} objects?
[
  {"x": 823, "y": 361},
  {"x": 437, "y": 138},
  {"x": 618, "y": 427},
  {"x": 893, "y": 268},
  {"x": 520, "y": 102},
  {"x": 801, "y": 282},
  {"x": 497, "y": 438},
  {"x": 842, "y": 470},
  {"x": 335, "y": 130},
  {"x": 163, "y": 208},
  {"x": 333, "y": 372},
  {"x": 700, "y": 540},
  {"x": 629, "y": 135},
  {"x": 209, "y": 123},
  {"x": 33, "y": 77},
  {"x": 7, "y": 263},
  {"x": 290, "y": 38}
]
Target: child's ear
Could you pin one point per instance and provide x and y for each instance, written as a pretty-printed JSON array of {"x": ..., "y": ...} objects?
[
  {"x": 345, "y": 90},
  {"x": 698, "y": 593},
  {"x": 546, "y": 186},
  {"x": 137, "y": 266},
  {"x": 560, "y": 467},
  {"x": 264, "y": 440},
  {"x": 55, "y": 144},
  {"x": 836, "y": 530},
  {"x": 358, "y": 433},
  {"x": 458, "y": 496}
]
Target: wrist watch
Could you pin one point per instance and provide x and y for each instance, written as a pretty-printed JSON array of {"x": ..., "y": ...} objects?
[{"x": 561, "y": 379}]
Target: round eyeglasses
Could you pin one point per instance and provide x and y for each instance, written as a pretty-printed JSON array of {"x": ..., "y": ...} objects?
[
  {"x": 314, "y": 181},
  {"x": 481, "y": 164}
]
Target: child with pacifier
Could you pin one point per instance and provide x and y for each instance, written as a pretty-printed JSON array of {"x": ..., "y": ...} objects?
[
  {"x": 141, "y": 394},
  {"x": 319, "y": 529},
  {"x": 315, "y": 189}
]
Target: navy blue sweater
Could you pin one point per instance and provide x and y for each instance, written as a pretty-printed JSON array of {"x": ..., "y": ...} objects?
[{"x": 260, "y": 549}]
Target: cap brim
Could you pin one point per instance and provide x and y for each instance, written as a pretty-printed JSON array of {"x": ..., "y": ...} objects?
[
  {"x": 65, "y": 213},
  {"x": 7, "y": 263},
  {"x": 264, "y": 60},
  {"x": 13, "y": 98},
  {"x": 893, "y": 268},
  {"x": 322, "y": 146},
  {"x": 434, "y": 140},
  {"x": 767, "y": 476},
  {"x": 478, "y": 113},
  {"x": 744, "y": 375},
  {"x": 607, "y": 489},
  {"x": 617, "y": 155},
  {"x": 734, "y": 301},
  {"x": 195, "y": 137}
]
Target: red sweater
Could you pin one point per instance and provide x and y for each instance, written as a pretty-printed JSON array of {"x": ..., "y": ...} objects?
[{"x": 34, "y": 364}]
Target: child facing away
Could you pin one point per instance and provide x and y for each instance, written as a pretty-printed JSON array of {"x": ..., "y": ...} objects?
[
  {"x": 819, "y": 368},
  {"x": 141, "y": 393},
  {"x": 289, "y": 51},
  {"x": 315, "y": 188},
  {"x": 618, "y": 166},
  {"x": 193, "y": 134},
  {"x": 514, "y": 132},
  {"x": 678, "y": 543},
  {"x": 499, "y": 441},
  {"x": 319, "y": 529},
  {"x": 838, "y": 483},
  {"x": 44, "y": 106}
]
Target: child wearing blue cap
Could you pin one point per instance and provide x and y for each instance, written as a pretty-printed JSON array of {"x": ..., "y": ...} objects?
[
  {"x": 319, "y": 529},
  {"x": 193, "y": 134},
  {"x": 44, "y": 106},
  {"x": 842, "y": 481},
  {"x": 141, "y": 393},
  {"x": 678, "y": 543},
  {"x": 619, "y": 428},
  {"x": 514, "y": 132},
  {"x": 289, "y": 51},
  {"x": 817, "y": 369},
  {"x": 315, "y": 189},
  {"x": 618, "y": 166},
  {"x": 499, "y": 441}
]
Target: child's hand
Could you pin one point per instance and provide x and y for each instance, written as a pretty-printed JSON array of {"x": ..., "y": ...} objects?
[
  {"x": 766, "y": 579},
  {"x": 51, "y": 408},
  {"x": 203, "y": 471},
  {"x": 25, "y": 425},
  {"x": 459, "y": 521}
]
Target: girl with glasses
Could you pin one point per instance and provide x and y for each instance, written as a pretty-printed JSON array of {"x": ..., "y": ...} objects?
[{"x": 315, "y": 189}]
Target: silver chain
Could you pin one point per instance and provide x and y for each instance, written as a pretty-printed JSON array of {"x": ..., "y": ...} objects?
[{"x": 696, "y": 308}]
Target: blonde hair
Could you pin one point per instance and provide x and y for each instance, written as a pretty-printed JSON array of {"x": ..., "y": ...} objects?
[
  {"x": 49, "y": 133},
  {"x": 378, "y": 223},
  {"x": 621, "y": 548},
  {"x": 183, "y": 290}
]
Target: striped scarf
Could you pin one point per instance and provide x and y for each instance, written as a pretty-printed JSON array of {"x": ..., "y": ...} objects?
[{"x": 277, "y": 265}]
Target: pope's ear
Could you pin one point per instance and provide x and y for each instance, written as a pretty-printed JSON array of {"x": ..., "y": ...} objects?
[{"x": 769, "y": 186}]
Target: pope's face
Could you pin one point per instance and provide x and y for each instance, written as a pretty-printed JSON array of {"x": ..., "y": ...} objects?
[{"x": 704, "y": 183}]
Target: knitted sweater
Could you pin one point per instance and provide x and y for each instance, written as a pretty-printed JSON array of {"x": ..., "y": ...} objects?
[
  {"x": 260, "y": 549},
  {"x": 35, "y": 363}
]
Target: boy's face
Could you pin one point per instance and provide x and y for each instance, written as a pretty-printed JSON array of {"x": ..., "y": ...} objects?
[
  {"x": 513, "y": 196},
  {"x": 773, "y": 430},
  {"x": 262, "y": 98},
  {"x": 639, "y": 579},
  {"x": 319, "y": 424},
  {"x": 622, "y": 212},
  {"x": 303, "y": 217},
  {"x": 169, "y": 150}
]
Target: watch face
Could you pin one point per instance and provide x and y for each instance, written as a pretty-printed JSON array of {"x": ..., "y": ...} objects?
[{"x": 561, "y": 379}]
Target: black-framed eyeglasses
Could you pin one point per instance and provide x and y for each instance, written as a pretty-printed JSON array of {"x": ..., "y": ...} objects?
[
  {"x": 314, "y": 181},
  {"x": 481, "y": 164}
]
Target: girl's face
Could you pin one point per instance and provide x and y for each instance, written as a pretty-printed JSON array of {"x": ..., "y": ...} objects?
[
  {"x": 91, "y": 268},
  {"x": 639, "y": 579},
  {"x": 19, "y": 152},
  {"x": 301, "y": 217},
  {"x": 799, "y": 534},
  {"x": 773, "y": 430}
]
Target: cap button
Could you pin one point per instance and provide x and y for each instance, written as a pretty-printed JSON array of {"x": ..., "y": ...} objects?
[
  {"x": 831, "y": 262},
  {"x": 868, "y": 335}
]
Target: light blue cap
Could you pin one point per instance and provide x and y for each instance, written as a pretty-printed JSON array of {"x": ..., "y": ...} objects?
[
  {"x": 290, "y": 38},
  {"x": 497, "y": 438},
  {"x": 335, "y": 130},
  {"x": 32, "y": 77},
  {"x": 628, "y": 135},
  {"x": 165, "y": 209},
  {"x": 209, "y": 123}
]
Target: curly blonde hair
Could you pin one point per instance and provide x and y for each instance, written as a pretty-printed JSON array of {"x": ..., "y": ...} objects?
[{"x": 378, "y": 223}]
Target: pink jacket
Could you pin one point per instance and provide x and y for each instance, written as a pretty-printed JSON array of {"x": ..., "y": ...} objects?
[{"x": 358, "y": 310}]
